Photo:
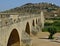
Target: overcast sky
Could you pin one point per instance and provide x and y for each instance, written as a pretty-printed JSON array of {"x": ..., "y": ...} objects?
[{"x": 8, "y": 4}]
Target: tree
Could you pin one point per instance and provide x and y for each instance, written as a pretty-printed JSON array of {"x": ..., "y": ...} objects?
[{"x": 52, "y": 31}]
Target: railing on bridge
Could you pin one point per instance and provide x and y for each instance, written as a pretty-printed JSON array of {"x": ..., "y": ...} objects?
[{"x": 19, "y": 18}]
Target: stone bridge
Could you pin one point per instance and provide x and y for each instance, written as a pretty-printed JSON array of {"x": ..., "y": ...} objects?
[{"x": 19, "y": 28}]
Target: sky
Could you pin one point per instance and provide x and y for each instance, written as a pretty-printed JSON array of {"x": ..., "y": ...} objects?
[{"x": 8, "y": 4}]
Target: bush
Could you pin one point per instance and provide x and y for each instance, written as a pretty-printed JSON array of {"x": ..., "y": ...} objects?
[
  {"x": 57, "y": 23},
  {"x": 48, "y": 24}
]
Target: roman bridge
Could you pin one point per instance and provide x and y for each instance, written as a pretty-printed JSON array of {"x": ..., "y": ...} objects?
[{"x": 18, "y": 28}]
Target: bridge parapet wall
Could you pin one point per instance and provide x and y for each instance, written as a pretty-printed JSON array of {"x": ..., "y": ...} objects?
[{"x": 11, "y": 19}]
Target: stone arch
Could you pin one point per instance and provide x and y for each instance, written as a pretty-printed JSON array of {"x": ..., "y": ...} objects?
[
  {"x": 27, "y": 29},
  {"x": 33, "y": 23},
  {"x": 14, "y": 38}
]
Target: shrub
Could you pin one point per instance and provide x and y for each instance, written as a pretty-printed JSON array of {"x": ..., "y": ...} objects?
[
  {"x": 48, "y": 24},
  {"x": 57, "y": 23}
]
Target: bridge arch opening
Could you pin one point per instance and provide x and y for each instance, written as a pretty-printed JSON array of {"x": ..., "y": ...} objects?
[
  {"x": 27, "y": 30},
  {"x": 33, "y": 23},
  {"x": 14, "y": 39}
]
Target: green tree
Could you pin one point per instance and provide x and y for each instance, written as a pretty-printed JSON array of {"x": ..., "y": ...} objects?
[{"x": 52, "y": 31}]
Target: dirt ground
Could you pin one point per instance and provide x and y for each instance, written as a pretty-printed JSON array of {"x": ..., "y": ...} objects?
[{"x": 41, "y": 40}]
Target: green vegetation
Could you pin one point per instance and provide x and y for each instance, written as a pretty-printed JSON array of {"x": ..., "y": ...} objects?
[{"x": 55, "y": 24}]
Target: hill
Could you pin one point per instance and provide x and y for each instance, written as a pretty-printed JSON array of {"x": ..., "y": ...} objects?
[{"x": 35, "y": 8}]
